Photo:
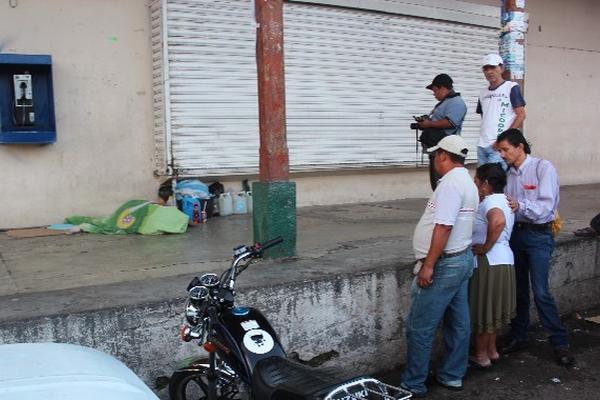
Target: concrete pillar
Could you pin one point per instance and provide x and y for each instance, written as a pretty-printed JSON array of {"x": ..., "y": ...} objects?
[
  {"x": 512, "y": 40},
  {"x": 274, "y": 197}
]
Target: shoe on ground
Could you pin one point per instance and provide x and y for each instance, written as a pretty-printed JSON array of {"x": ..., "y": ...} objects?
[
  {"x": 415, "y": 395},
  {"x": 454, "y": 388},
  {"x": 475, "y": 364},
  {"x": 514, "y": 345},
  {"x": 586, "y": 232},
  {"x": 564, "y": 356}
]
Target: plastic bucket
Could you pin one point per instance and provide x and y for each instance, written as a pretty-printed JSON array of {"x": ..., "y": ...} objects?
[
  {"x": 249, "y": 202},
  {"x": 225, "y": 204},
  {"x": 240, "y": 205}
]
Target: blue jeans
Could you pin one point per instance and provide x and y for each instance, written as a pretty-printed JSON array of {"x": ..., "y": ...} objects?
[
  {"x": 487, "y": 155},
  {"x": 445, "y": 298},
  {"x": 532, "y": 250}
]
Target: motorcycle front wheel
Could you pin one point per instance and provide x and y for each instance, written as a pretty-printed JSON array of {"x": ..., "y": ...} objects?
[{"x": 192, "y": 384}]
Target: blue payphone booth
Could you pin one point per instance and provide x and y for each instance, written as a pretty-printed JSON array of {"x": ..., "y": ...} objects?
[{"x": 26, "y": 99}]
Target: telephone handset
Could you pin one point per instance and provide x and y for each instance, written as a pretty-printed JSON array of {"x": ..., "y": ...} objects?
[{"x": 23, "y": 113}]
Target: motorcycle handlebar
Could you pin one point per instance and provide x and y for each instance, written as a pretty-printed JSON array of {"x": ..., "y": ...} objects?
[{"x": 246, "y": 255}]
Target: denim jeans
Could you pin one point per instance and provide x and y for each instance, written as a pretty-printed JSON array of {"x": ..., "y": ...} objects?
[
  {"x": 487, "y": 155},
  {"x": 532, "y": 250},
  {"x": 445, "y": 298}
]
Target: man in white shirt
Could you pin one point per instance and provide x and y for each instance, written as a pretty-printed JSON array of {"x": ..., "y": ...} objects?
[
  {"x": 501, "y": 106},
  {"x": 442, "y": 246}
]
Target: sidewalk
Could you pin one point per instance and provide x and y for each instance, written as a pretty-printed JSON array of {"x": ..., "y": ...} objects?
[{"x": 331, "y": 239}]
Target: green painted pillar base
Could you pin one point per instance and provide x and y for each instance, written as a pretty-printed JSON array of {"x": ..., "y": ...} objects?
[{"x": 274, "y": 214}]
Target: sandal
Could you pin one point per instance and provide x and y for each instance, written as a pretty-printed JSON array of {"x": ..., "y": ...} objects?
[
  {"x": 473, "y": 363},
  {"x": 585, "y": 232}
]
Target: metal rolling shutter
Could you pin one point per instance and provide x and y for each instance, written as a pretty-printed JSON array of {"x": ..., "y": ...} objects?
[{"x": 353, "y": 80}]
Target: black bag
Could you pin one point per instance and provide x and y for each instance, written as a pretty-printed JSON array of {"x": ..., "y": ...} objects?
[
  {"x": 216, "y": 189},
  {"x": 595, "y": 224},
  {"x": 431, "y": 137}
]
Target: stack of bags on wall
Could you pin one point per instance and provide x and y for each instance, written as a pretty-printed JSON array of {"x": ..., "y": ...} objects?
[{"x": 194, "y": 200}]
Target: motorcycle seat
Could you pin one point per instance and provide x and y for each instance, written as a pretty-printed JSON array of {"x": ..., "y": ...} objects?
[{"x": 277, "y": 378}]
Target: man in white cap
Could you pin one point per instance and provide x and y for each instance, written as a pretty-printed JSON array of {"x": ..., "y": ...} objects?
[
  {"x": 442, "y": 246},
  {"x": 501, "y": 106}
]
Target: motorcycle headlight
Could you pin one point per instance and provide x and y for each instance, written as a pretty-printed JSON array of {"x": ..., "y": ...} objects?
[
  {"x": 192, "y": 313},
  {"x": 198, "y": 294},
  {"x": 195, "y": 305},
  {"x": 209, "y": 280}
]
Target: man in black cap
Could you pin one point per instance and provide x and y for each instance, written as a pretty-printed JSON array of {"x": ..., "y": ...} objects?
[{"x": 445, "y": 119}]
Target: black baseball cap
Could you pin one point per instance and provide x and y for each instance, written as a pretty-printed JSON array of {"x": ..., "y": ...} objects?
[{"x": 441, "y": 80}]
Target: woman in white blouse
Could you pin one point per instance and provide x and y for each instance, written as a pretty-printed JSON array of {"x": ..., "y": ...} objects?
[{"x": 492, "y": 290}]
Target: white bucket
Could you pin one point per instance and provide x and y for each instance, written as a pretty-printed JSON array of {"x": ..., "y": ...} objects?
[
  {"x": 249, "y": 201},
  {"x": 240, "y": 205},
  {"x": 225, "y": 204}
]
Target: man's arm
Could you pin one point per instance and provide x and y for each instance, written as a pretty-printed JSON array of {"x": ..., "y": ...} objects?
[
  {"x": 441, "y": 124},
  {"x": 518, "y": 103},
  {"x": 439, "y": 239},
  {"x": 520, "y": 117}
]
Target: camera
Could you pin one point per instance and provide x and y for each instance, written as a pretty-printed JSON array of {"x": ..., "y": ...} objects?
[{"x": 415, "y": 125}]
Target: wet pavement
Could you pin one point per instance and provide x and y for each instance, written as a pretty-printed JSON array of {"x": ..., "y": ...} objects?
[{"x": 43, "y": 264}]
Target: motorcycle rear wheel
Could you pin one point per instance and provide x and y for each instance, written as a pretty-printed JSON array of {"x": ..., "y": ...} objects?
[{"x": 191, "y": 384}]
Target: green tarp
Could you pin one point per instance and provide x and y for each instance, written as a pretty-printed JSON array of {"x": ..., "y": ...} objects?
[{"x": 135, "y": 216}]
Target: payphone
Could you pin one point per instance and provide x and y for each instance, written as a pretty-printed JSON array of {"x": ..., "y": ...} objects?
[
  {"x": 26, "y": 99},
  {"x": 23, "y": 102}
]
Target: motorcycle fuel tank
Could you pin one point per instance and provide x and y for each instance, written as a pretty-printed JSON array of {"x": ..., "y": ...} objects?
[{"x": 249, "y": 338}]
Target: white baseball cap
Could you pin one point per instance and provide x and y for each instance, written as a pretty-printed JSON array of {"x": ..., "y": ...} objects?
[
  {"x": 492, "y": 59},
  {"x": 454, "y": 144}
]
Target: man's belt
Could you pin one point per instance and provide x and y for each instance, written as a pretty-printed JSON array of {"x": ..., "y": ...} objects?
[
  {"x": 532, "y": 227},
  {"x": 458, "y": 253}
]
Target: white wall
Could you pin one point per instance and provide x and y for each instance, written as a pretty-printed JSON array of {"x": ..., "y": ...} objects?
[
  {"x": 102, "y": 92},
  {"x": 353, "y": 186},
  {"x": 561, "y": 85}
]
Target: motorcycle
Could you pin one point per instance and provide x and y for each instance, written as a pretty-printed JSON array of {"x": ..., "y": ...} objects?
[{"x": 245, "y": 357}]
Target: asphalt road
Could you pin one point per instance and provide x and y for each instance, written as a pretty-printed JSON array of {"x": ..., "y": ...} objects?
[{"x": 533, "y": 373}]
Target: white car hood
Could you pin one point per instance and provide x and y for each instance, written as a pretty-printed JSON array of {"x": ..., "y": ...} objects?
[{"x": 53, "y": 371}]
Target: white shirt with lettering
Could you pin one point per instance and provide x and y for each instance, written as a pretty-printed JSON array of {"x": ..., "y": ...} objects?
[
  {"x": 454, "y": 202},
  {"x": 497, "y": 112}
]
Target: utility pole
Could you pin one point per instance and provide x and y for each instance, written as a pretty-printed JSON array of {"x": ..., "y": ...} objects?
[
  {"x": 515, "y": 22},
  {"x": 274, "y": 196}
]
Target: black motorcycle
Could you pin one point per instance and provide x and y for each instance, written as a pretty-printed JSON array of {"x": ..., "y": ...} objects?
[{"x": 245, "y": 358}]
